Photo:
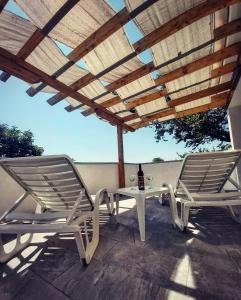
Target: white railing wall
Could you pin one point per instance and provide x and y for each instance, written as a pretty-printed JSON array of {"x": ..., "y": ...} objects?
[{"x": 96, "y": 176}]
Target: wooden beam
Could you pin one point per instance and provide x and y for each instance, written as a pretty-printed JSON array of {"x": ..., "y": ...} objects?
[
  {"x": 219, "y": 33},
  {"x": 201, "y": 108},
  {"x": 228, "y": 68},
  {"x": 188, "y": 17},
  {"x": 200, "y": 63},
  {"x": 144, "y": 70},
  {"x": 10, "y": 68},
  {"x": 146, "y": 120},
  {"x": 96, "y": 38},
  {"x": 11, "y": 63},
  {"x": 225, "y": 69},
  {"x": 60, "y": 96},
  {"x": 3, "y": 3},
  {"x": 106, "y": 30},
  {"x": 220, "y": 96},
  {"x": 226, "y": 29},
  {"x": 106, "y": 104},
  {"x": 121, "y": 165},
  {"x": 134, "y": 103},
  {"x": 201, "y": 94},
  {"x": 145, "y": 99},
  {"x": 216, "y": 101},
  {"x": 207, "y": 7},
  {"x": 131, "y": 117},
  {"x": 40, "y": 34}
]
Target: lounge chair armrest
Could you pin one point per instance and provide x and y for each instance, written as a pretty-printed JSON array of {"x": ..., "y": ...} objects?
[
  {"x": 185, "y": 189},
  {"x": 101, "y": 195}
]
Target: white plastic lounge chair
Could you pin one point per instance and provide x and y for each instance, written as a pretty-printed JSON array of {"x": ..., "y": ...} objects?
[
  {"x": 64, "y": 203},
  {"x": 201, "y": 182}
]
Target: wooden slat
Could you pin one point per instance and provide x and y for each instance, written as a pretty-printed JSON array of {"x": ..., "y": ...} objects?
[
  {"x": 188, "y": 17},
  {"x": 3, "y": 3},
  {"x": 209, "y": 6},
  {"x": 200, "y": 63},
  {"x": 13, "y": 64},
  {"x": 40, "y": 34},
  {"x": 201, "y": 108},
  {"x": 201, "y": 94}
]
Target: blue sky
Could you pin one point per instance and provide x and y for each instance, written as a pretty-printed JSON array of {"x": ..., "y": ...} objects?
[{"x": 82, "y": 138}]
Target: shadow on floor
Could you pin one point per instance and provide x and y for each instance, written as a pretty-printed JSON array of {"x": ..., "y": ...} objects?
[{"x": 204, "y": 263}]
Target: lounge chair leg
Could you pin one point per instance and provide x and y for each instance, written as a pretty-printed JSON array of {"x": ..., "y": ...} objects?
[
  {"x": 185, "y": 215},
  {"x": 173, "y": 205},
  {"x": 80, "y": 245},
  {"x": 5, "y": 256}
]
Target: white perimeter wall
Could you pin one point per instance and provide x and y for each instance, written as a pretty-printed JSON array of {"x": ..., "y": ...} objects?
[{"x": 96, "y": 176}]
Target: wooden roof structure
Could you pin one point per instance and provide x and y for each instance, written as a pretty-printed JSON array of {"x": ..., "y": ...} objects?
[{"x": 195, "y": 47}]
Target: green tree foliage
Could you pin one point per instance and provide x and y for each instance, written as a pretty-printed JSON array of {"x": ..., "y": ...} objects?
[
  {"x": 196, "y": 130},
  {"x": 17, "y": 143},
  {"x": 200, "y": 150},
  {"x": 157, "y": 160}
]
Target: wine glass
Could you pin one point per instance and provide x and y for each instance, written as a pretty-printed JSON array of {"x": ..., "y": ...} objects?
[
  {"x": 132, "y": 180},
  {"x": 149, "y": 178}
]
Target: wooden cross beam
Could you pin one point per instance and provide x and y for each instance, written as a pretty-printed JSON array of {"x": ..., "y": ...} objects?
[
  {"x": 40, "y": 34},
  {"x": 134, "y": 103},
  {"x": 166, "y": 30},
  {"x": 200, "y": 63},
  {"x": 21, "y": 69},
  {"x": 182, "y": 100},
  {"x": 200, "y": 94},
  {"x": 182, "y": 71}
]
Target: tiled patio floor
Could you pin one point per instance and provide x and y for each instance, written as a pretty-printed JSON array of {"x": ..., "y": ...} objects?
[{"x": 204, "y": 263}]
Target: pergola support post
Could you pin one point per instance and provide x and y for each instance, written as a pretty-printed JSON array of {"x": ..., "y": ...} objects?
[{"x": 121, "y": 166}]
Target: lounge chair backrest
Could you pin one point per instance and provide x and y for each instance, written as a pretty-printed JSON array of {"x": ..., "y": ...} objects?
[
  {"x": 53, "y": 181},
  {"x": 207, "y": 172}
]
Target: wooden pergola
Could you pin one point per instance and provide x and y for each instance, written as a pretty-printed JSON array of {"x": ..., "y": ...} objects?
[{"x": 133, "y": 111}]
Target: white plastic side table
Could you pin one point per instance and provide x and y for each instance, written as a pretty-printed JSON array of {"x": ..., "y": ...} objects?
[{"x": 140, "y": 197}]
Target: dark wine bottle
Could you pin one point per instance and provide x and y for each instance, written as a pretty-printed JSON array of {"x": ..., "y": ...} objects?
[{"x": 140, "y": 175}]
